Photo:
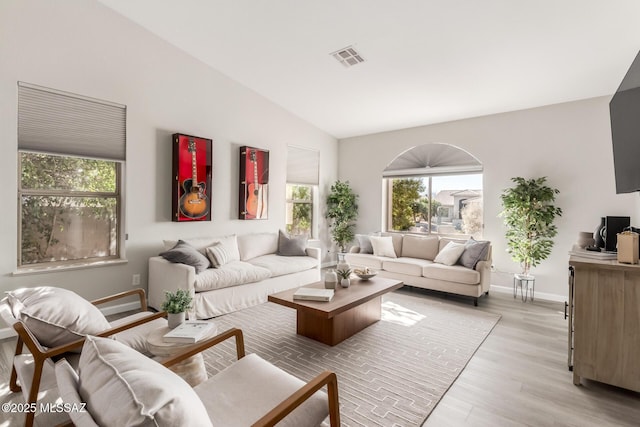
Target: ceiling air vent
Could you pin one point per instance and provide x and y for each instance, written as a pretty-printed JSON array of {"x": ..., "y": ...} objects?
[{"x": 348, "y": 56}]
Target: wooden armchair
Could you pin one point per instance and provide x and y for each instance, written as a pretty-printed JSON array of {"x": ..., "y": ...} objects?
[
  {"x": 251, "y": 391},
  {"x": 32, "y": 371}
]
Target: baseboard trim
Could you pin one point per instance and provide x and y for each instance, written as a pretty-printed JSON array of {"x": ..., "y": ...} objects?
[
  {"x": 538, "y": 295},
  {"x": 107, "y": 311}
]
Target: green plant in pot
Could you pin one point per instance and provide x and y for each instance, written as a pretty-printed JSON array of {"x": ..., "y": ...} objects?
[
  {"x": 342, "y": 211},
  {"x": 344, "y": 275},
  {"x": 176, "y": 304},
  {"x": 529, "y": 213}
]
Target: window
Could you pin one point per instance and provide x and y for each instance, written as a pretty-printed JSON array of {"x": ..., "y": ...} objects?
[
  {"x": 299, "y": 210},
  {"x": 71, "y": 153},
  {"x": 68, "y": 208},
  {"x": 302, "y": 182},
  {"x": 437, "y": 204}
]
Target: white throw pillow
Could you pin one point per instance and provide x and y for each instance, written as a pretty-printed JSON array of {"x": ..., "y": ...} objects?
[
  {"x": 383, "y": 246},
  {"x": 124, "y": 388},
  {"x": 257, "y": 244},
  {"x": 56, "y": 316},
  {"x": 450, "y": 253}
]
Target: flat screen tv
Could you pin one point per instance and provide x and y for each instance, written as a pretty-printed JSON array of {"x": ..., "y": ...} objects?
[{"x": 625, "y": 130}]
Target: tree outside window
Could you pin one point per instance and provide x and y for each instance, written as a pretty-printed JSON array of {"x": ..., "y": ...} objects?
[
  {"x": 68, "y": 208},
  {"x": 299, "y": 210},
  {"x": 453, "y": 207}
]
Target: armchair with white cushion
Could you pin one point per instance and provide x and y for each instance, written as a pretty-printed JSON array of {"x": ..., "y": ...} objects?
[
  {"x": 51, "y": 322},
  {"x": 121, "y": 387}
]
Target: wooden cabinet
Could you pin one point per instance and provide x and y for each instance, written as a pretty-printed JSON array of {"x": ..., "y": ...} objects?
[{"x": 604, "y": 322}]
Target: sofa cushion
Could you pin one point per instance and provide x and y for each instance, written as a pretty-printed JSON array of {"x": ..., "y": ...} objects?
[
  {"x": 56, "y": 316},
  {"x": 364, "y": 260},
  {"x": 450, "y": 254},
  {"x": 291, "y": 245},
  {"x": 364, "y": 243},
  {"x": 200, "y": 243},
  {"x": 451, "y": 273},
  {"x": 184, "y": 253},
  {"x": 445, "y": 240},
  {"x": 257, "y": 244},
  {"x": 410, "y": 266},
  {"x": 249, "y": 388},
  {"x": 124, "y": 388},
  {"x": 383, "y": 246},
  {"x": 474, "y": 251},
  {"x": 231, "y": 274},
  {"x": 279, "y": 265},
  {"x": 420, "y": 247},
  {"x": 396, "y": 239}
]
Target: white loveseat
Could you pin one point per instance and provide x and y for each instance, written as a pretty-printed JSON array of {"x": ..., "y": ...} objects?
[
  {"x": 412, "y": 260},
  {"x": 254, "y": 272}
]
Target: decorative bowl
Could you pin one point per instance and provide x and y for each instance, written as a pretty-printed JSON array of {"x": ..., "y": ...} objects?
[{"x": 366, "y": 276}]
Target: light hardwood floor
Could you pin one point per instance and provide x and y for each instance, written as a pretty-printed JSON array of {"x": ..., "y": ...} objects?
[{"x": 518, "y": 376}]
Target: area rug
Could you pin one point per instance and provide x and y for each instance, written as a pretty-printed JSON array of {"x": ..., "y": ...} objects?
[{"x": 393, "y": 373}]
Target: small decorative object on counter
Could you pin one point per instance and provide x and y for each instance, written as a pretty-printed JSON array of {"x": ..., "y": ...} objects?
[
  {"x": 628, "y": 247},
  {"x": 585, "y": 238}
]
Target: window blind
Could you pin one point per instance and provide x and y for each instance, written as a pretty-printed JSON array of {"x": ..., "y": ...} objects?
[
  {"x": 303, "y": 166},
  {"x": 59, "y": 122}
]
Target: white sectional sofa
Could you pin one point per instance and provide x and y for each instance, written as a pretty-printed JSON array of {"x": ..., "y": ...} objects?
[
  {"x": 252, "y": 272},
  {"x": 412, "y": 260}
]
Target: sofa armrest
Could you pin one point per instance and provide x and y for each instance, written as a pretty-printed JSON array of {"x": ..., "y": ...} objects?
[
  {"x": 484, "y": 268},
  {"x": 315, "y": 253},
  {"x": 354, "y": 250},
  {"x": 168, "y": 276}
]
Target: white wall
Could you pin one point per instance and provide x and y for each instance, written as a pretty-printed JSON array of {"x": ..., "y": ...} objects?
[
  {"x": 569, "y": 143},
  {"x": 83, "y": 47}
]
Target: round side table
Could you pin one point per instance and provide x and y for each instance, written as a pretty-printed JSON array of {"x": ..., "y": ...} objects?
[{"x": 192, "y": 370}]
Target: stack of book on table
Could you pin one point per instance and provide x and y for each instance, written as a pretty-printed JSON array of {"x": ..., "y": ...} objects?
[
  {"x": 602, "y": 255},
  {"x": 313, "y": 294},
  {"x": 189, "y": 332}
]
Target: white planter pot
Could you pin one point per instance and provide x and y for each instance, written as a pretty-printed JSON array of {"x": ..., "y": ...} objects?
[
  {"x": 345, "y": 283},
  {"x": 175, "y": 319}
]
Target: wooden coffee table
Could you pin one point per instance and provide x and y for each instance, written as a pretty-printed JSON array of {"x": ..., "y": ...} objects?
[{"x": 351, "y": 310}]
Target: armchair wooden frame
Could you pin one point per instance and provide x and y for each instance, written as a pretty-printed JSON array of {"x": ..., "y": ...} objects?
[
  {"x": 326, "y": 378},
  {"x": 41, "y": 354}
]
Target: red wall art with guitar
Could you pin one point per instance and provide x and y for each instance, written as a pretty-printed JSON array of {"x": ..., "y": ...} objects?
[
  {"x": 254, "y": 183},
  {"x": 192, "y": 178}
]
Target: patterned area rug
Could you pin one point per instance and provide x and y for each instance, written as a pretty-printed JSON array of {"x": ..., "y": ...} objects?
[{"x": 391, "y": 374}]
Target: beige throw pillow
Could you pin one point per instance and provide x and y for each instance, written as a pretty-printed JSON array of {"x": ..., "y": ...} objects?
[
  {"x": 124, "y": 388},
  {"x": 383, "y": 246},
  {"x": 56, "y": 316},
  {"x": 450, "y": 253}
]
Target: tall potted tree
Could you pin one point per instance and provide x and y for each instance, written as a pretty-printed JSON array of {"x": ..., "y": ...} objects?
[
  {"x": 342, "y": 211},
  {"x": 529, "y": 212}
]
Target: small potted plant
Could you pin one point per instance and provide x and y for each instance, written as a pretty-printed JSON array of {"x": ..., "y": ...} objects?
[
  {"x": 344, "y": 275},
  {"x": 176, "y": 304}
]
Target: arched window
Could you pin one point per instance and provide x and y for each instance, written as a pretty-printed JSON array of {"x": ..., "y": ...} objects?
[{"x": 434, "y": 188}]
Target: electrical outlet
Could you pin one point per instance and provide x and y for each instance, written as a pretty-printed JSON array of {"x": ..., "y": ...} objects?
[{"x": 135, "y": 280}]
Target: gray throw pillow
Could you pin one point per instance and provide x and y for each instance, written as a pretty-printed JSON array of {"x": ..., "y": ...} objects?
[
  {"x": 365, "y": 244},
  {"x": 184, "y": 253},
  {"x": 291, "y": 245},
  {"x": 474, "y": 251}
]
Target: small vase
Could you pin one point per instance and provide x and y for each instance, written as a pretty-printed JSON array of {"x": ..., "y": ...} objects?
[
  {"x": 585, "y": 238},
  {"x": 175, "y": 319},
  {"x": 330, "y": 280},
  {"x": 345, "y": 283}
]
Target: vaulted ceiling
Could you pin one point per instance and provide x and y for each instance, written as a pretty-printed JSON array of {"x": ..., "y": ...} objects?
[{"x": 426, "y": 61}]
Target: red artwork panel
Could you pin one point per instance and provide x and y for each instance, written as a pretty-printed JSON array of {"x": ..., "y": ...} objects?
[
  {"x": 191, "y": 196},
  {"x": 254, "y": 183}
]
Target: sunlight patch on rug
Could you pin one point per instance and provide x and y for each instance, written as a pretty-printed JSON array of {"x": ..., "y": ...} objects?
[{"x": 396, "y": 313}]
